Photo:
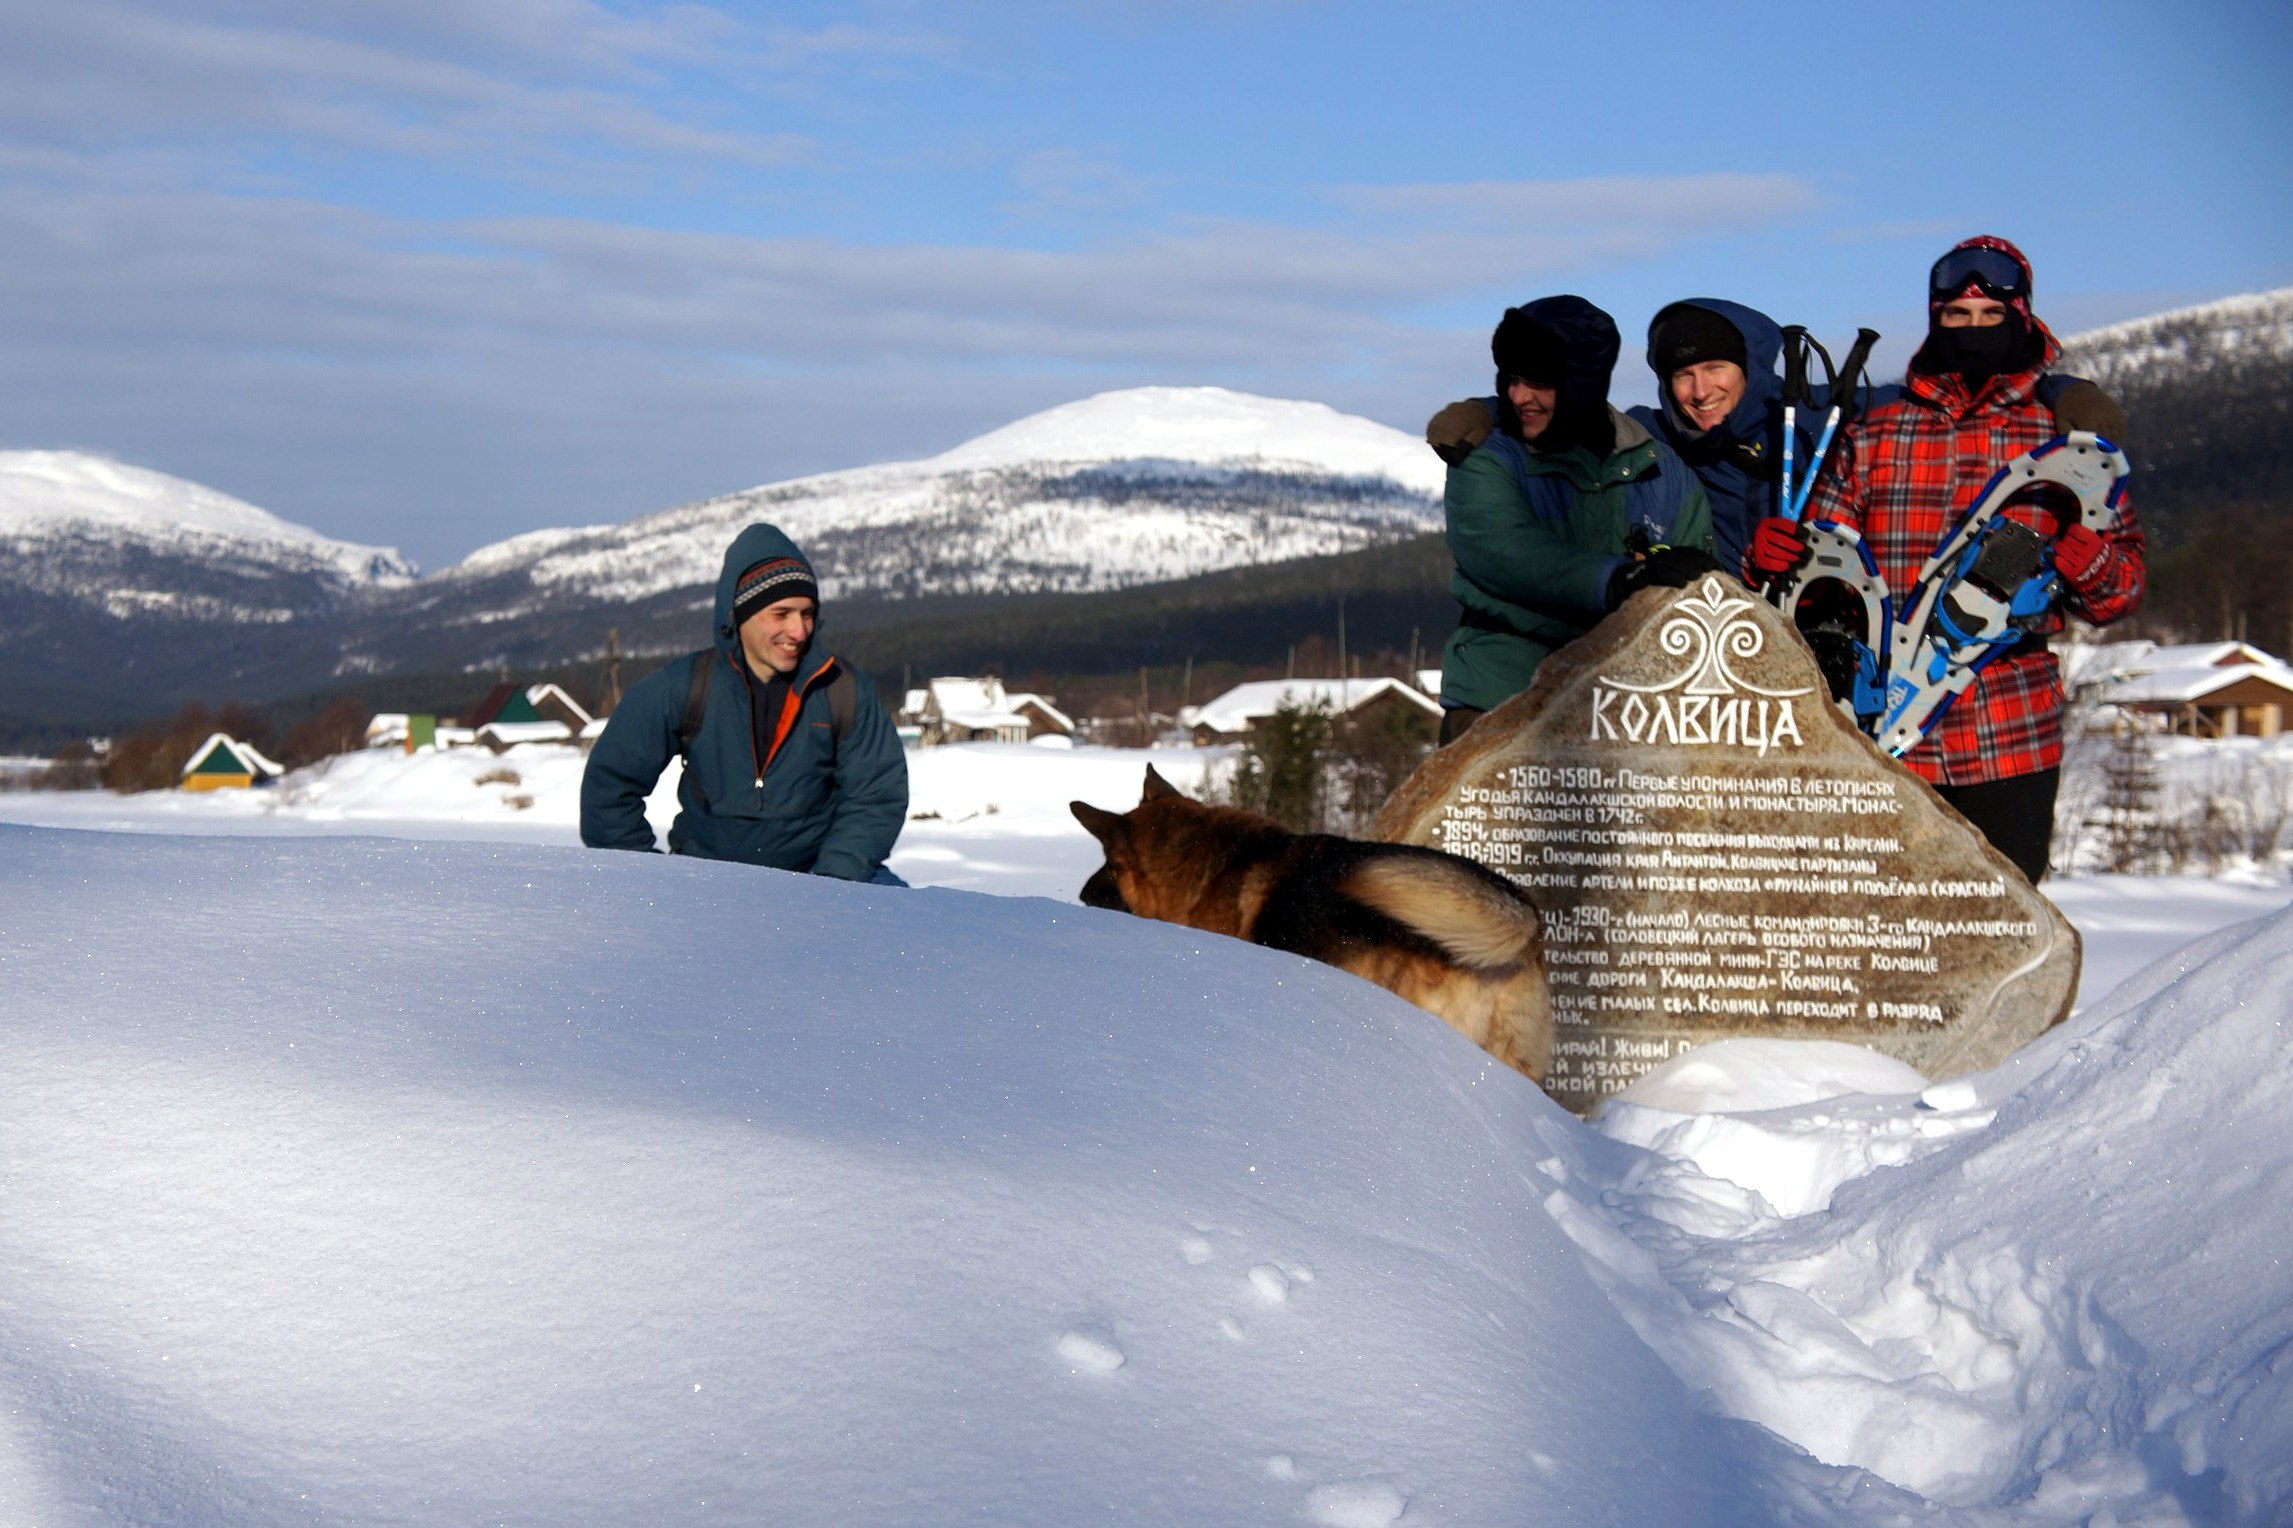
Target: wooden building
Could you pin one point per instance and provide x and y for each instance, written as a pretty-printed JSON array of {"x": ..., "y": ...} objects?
[
  {"x": 225, "y": 763},
  {"x": 2210, "y": 689},
  {"x": 1229, "y": 718},
  {"x": 966, "y": 710}
]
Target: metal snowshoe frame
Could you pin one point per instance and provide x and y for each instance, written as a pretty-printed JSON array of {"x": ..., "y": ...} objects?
[{"x": 1988, "y": 581}]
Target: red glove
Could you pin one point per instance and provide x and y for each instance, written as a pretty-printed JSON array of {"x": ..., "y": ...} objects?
[
  {"x": 2078, "y": 555},
  {"x": 1778, "y": 546}
]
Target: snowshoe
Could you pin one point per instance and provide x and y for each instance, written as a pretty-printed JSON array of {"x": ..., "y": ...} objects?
[
  {"x": 1839, "y": 604},
  {"x": 1989, "y": 581}
]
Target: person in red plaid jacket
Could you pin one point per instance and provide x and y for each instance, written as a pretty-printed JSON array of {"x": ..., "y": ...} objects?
[{"x": 1969, "y": 405}]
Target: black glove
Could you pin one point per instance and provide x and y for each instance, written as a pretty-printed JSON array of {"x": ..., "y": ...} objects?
[{"x": 1668, "y": 567}]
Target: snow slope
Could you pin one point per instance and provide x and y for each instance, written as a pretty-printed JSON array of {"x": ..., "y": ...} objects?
[
  {"x": 2066, "y": 1298},
  {"x": 399, "y": 1182},
  {"x": 364, "y": 1181},
  {"x": 49, "y": 493},
  {"x": 2253, "y": 326},
  {"x": 1207, "y": 426},
  {"x": 1121, "y": 488}
]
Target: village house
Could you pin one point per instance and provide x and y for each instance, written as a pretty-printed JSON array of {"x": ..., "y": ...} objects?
[
  {"x": 508, "y": 716},
  {"x": 2205, "y": 689},
  {"x": 1229, "y": 718},
  {"x": 225, "y": 763},
  {"x": 964, "y": 710}
]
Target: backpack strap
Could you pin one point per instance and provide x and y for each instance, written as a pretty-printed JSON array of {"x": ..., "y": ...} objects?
[
  {"x": 843, "y": 701},
  {"x": 696, "y": 704}
]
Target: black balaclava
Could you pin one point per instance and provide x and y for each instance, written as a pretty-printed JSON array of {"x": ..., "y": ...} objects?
[{"x": 1978, "y": 354}]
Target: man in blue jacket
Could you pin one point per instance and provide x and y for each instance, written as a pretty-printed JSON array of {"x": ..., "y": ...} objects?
[
  {"x": 1721, "y": 409},
  {"x": 790, "y": 760}
]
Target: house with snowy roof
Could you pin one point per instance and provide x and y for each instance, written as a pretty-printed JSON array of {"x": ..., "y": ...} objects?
[
  {"x": 522, "y": 704},
  {"x": 2200, "y": 689},
  {"x": 512, "y": 714},
  {"x": 1229, "y": 718},
  {"x": 225, "y": 763},
  {"x": 967, "y": 710}
]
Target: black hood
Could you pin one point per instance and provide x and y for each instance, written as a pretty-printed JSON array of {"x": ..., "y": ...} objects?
[{"x": 1589, "y": 345}]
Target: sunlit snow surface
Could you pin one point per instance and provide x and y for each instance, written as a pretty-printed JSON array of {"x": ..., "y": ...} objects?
[
  {"x": 42, "y": 492},
  {"x": 382, "y": 1181}
]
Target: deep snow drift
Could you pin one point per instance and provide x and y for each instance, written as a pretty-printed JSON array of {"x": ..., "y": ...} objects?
[
  {"x": 447, "y": 1183},
  {"x": 401, "y": 1182},
  {"x": 395, "y": 1182}
]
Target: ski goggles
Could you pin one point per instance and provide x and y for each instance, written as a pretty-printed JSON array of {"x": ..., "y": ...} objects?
[{"x": 1994, "y": 273}]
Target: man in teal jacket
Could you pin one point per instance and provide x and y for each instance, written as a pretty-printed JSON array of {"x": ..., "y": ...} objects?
[
  {"x": 1564, "y": 512},
  {"x": 790, "y": 760}
]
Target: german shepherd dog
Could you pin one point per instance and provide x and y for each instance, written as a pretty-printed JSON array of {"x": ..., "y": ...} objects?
[{"x": 1455, "y": 938}]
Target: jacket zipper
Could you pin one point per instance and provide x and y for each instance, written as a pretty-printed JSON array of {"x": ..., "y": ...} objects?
[{"x": 781, "y": 728}]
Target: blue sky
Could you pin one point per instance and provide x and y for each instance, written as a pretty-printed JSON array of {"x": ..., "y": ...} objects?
[{"x": 434, "y": 272}]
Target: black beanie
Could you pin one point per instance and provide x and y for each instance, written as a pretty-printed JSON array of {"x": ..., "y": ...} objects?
[
  {"x": 771, "y": 581},
  {"x": 1526, "y": 349},
  {"x": 1685, "y": 334}
]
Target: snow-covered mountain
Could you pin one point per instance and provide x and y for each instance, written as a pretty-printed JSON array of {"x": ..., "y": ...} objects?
[
  {"x": 1123, "y": 488},
  {"x": 120, "y": 586},
  {"x": 2254, "y": 328},
  {"x": 2208, "y": 393},
  {"x": 133, "y": 542}
]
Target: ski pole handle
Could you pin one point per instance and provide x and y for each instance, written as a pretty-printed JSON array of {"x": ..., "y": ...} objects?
[
  {"x": 1851, "y": 369},
  {"x": 1843, "y": 387}
]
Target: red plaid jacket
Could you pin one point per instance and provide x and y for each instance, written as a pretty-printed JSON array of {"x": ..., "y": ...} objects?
[{"x": 1902, "y": 478}]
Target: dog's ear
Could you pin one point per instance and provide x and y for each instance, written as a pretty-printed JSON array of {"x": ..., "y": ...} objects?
[
  {"x": 1156, "y": 786},
  {"x": 1105, "y": 826}
]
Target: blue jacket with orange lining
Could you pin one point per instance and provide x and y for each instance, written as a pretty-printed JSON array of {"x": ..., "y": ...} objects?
[{"x": 809, "y": 800}]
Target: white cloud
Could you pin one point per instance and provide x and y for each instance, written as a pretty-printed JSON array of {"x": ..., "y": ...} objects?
[{"x": 542, "y": 82}]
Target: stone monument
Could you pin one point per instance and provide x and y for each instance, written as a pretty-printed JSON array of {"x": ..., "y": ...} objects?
[{"x": 1718, "y": 851}]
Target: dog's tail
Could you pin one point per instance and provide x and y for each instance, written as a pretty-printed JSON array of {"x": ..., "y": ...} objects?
[{"x": 1480, "y": 921}]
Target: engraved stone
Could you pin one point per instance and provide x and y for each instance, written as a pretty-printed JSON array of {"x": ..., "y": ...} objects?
[{"x": 1718, "y": 851}]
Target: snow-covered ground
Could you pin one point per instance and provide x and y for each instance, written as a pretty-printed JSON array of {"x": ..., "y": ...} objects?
[
  {"x": 982, "y": 817},
  {"x": 363, "y": 1180}
]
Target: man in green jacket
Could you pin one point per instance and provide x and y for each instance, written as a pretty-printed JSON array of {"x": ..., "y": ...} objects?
[
  {"x": 1564, "y": 512},
  {"x": 790, "y": 761}
]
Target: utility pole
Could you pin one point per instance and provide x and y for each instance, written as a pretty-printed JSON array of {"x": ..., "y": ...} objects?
[
  {"x": 1146, "y": 713},
  {"x": 1345, "y": 691},
  {"x": 612, "y": 669},
  {"x": 1186, "y": 685}
]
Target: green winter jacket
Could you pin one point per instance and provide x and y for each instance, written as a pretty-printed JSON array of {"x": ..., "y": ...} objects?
[
  {"x": 832, "y": 806},
  {"x": 1536, "y": 539}
]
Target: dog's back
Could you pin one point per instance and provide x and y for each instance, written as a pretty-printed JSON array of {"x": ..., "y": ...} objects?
[{"x": 1451, "y": 936}]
